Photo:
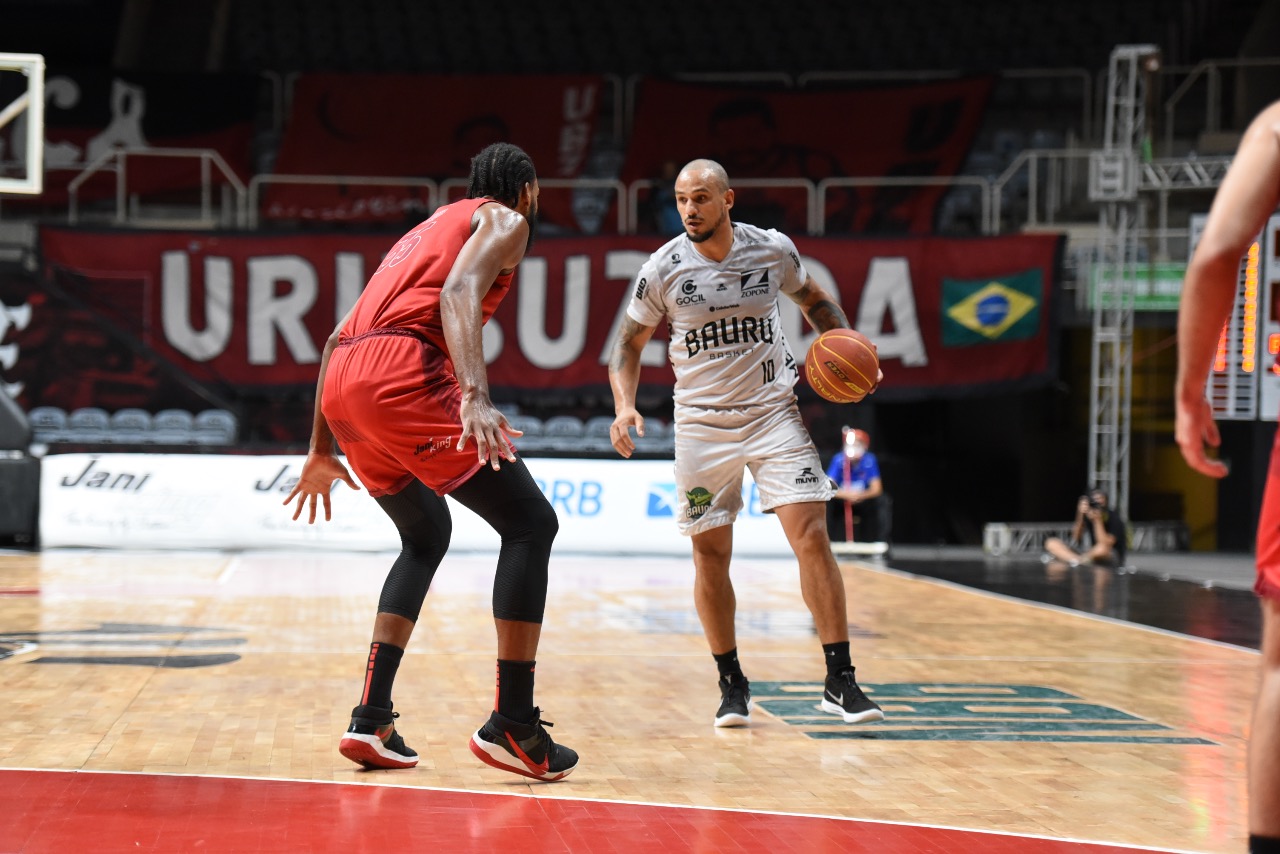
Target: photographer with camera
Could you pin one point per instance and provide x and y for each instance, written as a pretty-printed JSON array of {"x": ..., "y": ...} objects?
[{"x": 1098, "y": 536}]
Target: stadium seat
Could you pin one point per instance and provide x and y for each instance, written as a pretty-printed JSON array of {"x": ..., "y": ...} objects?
[
  {"x": 48, "y": 423},
  {"x": 214, "y": 427},
  {"x": 130, "y": 426},
  {"x": 531, "y": 425},
  {"x": 563, "y": 433},
  {"x": 88, "y": 424},
  {"x": 595, "y": 433},
  {"x": 173, "y": 427},
  {"x": 659, "y": 436}
]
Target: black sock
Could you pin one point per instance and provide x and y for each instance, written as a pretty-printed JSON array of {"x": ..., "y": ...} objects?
[
  {"x": 515, "y": 690},
  {"x": 837, "y": 656},
  {"x": 727, "y": 663},
  {"x": 1264, "y": 844},
  {"x": 384, "y": 661}
]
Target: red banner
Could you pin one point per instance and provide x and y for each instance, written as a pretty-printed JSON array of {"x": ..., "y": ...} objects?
[
  {"x": 896, "y": 131},
  {"x": 427, "y": 127},
  {"x": 252, "y": 312}
]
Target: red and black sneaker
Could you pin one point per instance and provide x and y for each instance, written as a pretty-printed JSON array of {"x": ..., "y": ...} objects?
[
  {"x": 372, "y": 740},
  {"x": 524, "y": 749}
]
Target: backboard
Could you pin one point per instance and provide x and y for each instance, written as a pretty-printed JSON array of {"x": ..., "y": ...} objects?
[{"x": 27, "y": 139}]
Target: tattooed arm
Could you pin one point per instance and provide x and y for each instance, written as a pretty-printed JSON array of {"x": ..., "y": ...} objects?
[
  {"x": 819, "y": 307},
  {"x": 624, "y": 377}
]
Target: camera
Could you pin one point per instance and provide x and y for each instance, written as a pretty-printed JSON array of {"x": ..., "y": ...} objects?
[{"x": 1093, "y": 503}]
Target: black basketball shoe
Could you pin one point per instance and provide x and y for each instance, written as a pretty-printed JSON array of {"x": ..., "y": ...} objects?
[
  {"x": 524, "y": 749},
  {"x": 372, "y": 740},
  {"x": 735, "y": 701},
  {"x": 843, "y": 697}
]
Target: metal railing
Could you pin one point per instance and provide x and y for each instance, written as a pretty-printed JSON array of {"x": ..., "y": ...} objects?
[
  {"x": 1053, "y": 181},
  {"x": 625, "y": 200},
  {"x": 1210, "y": 70},
  {"x": 812, "y": 207},
  {"x": 1062, "y": 175},
  {"x": 608, "y": 186},
  {"x": 817, "y": 219},
  {"x": 258, "y": 181},
  {"x": 117, "y": 159}
]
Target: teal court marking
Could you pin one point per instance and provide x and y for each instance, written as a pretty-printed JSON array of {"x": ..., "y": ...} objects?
[{"x": 958, "y": 711}]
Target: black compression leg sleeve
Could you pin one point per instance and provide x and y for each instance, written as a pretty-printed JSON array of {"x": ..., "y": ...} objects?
[
  {"x": 424, "y": 523},
  {"x": 512, "y": 504}
]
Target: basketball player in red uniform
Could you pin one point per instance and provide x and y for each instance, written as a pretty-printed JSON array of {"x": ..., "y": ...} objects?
[
  {"x": 404, "y": 392},
  {"x": 1247, "y": 197}
]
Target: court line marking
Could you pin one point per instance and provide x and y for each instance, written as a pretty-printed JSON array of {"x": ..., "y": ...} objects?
[{"x": 530, "y": 795}]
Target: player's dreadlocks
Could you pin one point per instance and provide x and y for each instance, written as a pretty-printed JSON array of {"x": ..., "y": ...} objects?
[{"x": 499, "y": 172}]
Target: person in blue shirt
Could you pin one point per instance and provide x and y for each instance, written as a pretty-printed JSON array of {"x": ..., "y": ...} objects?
[{"x": 860, "y": 509}]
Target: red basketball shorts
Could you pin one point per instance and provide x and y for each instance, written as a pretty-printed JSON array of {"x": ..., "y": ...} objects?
[
  {"x": 392, "y": 402},
  {"x": 1268, "y": 583}
]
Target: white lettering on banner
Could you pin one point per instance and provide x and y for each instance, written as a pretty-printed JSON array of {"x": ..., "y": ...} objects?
[
  {"x": 625, "y": 265},
  {"x": 888, "y": 294},
  {"x": 531, "y": 315},
  {"x": 575, "y": 135},
  {"x": 282, "y": 293},
  {"x": 350, "y": 277},
  {"x": 269, "y": 313},
  {"x": 175, "y": 306}
]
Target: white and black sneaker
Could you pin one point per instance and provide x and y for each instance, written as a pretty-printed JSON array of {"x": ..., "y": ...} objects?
[
  {"x": 372, "y": 740},
  {"x": 735, "y": 701},
  {"x": 842, "y": 696}
]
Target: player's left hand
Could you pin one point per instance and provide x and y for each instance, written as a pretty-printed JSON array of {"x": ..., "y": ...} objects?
[
  {"x": 1194, "y": 429},
  {"x": 482, "y": 422},
  {"x": 318, "y": 475},
  {"x": 620, "y": 432}
]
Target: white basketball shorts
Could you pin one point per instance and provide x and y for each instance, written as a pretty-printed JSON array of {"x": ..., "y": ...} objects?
[{"x": 715, "y": 446}]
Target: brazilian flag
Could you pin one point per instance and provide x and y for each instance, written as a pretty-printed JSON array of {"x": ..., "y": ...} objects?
[{"x": 980, "y": 311}]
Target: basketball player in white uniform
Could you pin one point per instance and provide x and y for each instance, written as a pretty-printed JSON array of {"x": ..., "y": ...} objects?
[{"x": 717, "y": 286}]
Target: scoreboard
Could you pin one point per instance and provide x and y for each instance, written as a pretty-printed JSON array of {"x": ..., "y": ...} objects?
[{"x": 1244, "y": 383}]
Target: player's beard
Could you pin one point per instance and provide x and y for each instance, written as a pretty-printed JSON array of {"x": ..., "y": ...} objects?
[
  {"x": 532, "y": 219},
  {"x": 710, "y": 232}
]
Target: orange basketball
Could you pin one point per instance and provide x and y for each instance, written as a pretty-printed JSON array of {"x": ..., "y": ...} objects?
[{"x": 842, "y": 365}]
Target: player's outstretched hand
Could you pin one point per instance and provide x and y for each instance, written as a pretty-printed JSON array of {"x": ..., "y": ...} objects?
[
  {"x": 482, "y": 422},
  {"x": 620, "y": 434},
  {"x": 318, "y": 475},
  {"x": 1194, "y": 429}
]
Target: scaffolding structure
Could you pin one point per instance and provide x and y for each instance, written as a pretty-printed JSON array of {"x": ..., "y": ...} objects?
[{"x": 1114, "y": 175}]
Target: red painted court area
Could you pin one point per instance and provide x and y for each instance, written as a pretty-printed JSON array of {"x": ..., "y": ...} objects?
[{"x": 50, "y": 811}]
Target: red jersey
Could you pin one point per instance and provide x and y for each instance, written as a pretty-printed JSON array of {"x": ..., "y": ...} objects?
[{"x": 404, "y": 292}]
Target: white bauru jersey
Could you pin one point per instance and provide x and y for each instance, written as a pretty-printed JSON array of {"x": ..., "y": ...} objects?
[{"x": 727, "y": 346}]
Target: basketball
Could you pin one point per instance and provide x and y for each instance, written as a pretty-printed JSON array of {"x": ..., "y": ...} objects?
[{"x": 842, "y": 365}]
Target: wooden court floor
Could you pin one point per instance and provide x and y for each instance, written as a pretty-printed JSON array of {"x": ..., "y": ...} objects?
[{"x": 206, "y": 692}]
